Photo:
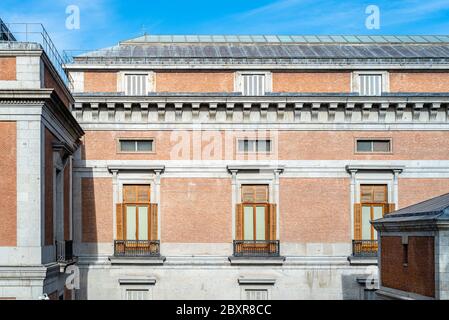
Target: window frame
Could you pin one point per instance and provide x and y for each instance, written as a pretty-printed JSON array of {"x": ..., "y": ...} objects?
[
  {"x": 254, "y": 206},
  {"x": 119, "y": 149},
  {"x": 372, "y": 140},
  {"x": 371, "y": 204},
  {"x": 136, "y": 204},
  {"x": 238, "y": 140},
  {"x": 239, "y": 81}
]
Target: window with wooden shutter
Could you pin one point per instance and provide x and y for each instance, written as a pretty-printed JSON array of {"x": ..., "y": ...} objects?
[
  {"x": 139, "y": 216},
  {"x": 253, "y": 84},
  {"x": 373, "y": 193},
  {"x": 136, "y": 84},
  {"x": 373, "y": 206},
  {"x": 119, "y": 221},
  {"x": 153, "y": 222},
  {"x": 357, "y": 221},
  {"x": 273, "y": 222}
]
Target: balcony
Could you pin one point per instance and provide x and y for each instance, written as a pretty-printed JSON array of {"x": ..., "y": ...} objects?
[
  {"x": 268, "y": 248},
  {"x": 364, "y": 248},
  {"x": 64, "y": 251},
  {"x": 136, "y": 248}
]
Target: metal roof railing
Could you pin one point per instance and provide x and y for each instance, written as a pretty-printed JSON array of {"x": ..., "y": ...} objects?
[{"x": 23, "y": 35}]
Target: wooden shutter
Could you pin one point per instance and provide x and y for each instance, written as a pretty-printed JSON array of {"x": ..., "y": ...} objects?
[
  {"x": 380, "y": 193},
  {"x": 389, "y": 208},
  {"x": 255, "y": 194},
  {"x": 119, "y": 221},
  {"x": 239, "y": 222},
  {"x": 357, "y": 221},
  {"x": 272, "y": 222},
  {"x": 153, "y": 222}
]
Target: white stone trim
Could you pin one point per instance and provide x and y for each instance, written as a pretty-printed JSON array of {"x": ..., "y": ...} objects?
[
  {"x": 121, "y": 79},
  {"x": 355, "y": 79},
  {"x": 238, "y": 80}
]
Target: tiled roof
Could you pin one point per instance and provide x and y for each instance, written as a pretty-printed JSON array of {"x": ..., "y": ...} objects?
[
  {"x": 433, "y": 209},
  {"x": 310, "y": 39},
  {"x": 198, "y": 49}
]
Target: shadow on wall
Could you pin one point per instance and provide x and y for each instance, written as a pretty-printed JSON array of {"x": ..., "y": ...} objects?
[
  {"x": 88, "y": 247},
  {"x": 351, "y": 289}
]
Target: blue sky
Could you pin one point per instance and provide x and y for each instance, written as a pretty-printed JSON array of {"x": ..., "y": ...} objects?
[{"x": 106, "y": 22}]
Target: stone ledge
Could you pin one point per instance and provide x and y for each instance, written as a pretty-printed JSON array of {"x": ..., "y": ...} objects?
[
  {"x": 253, "y": 281},
  {"x": 137, "y": 281},
  {"x": 149, "y": 261},
  {"x": 394, "y": 294},
  {"x": 257, "y": 261},
  {"x": 63, "y": 265}
]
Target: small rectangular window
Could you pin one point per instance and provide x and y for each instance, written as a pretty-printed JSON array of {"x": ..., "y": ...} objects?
[
  {"x": 137, "y": 295},
  {"x": 136, "y": 146},
  {"x": 254, "y": 146},
  {"x": 373, "y": 146},
  {"x": 136, "y": 84},
  {"x": 253, "y": 84},
  {"x": 370, "y": 85}
]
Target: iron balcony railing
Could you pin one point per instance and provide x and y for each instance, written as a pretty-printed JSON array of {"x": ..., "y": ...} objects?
[
  {"x": 64, "y": 251},
  {"x": 364, "y": 248},
  {"x": 136, "y": 248},
  {"x": 246, "y": 248}
]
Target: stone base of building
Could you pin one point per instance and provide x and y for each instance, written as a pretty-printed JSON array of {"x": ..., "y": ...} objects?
[
  {"x": 214, "y": 278},
  {"x": 33, "y": 283}
]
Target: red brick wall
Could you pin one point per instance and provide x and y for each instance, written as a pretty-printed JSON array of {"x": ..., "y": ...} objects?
[
  {"x": 97, "y": 210},
  {"x": 51, "y": 83},
  {"x": 419, "y": 275},
  {"x": 8, "y": 184},
  {"x": 67, "y": 195},
  {"x": 412, "y": 191},
  {"x": 49, "y": 172},
  {"x": 8, "y": 68},
  {"x": 312, "y": 82},
  {"x": 419, "y": 81},
  {"x": 195, "y": 81},
  {"x": 196, "y": 210},
  {"x": 100, "y": 81},
  {"x": 314, "y": 210}
]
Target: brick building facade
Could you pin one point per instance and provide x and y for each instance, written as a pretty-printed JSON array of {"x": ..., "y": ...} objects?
[{"x": 239, "y": 167}]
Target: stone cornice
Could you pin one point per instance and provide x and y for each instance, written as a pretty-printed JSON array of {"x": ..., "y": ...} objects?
[
  {"x": 317, "y": 109},
  {"x": 42, "y": 97}
]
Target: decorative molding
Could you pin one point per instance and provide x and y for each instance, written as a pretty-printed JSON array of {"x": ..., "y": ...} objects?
[
  {"x": 254, "y": 167},
  {"x": 234, "y": 109},
  {"x": 140, "y": 168},
  {"x": 256, "y": 281},
  {"x": 357, "y": 168}
]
